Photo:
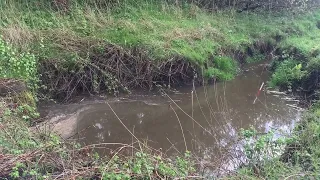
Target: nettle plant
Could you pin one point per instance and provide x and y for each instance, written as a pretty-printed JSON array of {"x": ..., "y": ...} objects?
[{"x": 16, "y": 65}]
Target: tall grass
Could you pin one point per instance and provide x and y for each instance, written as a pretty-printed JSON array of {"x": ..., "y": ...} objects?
[
  {"x": 68, "y": 38},
  {"x": 163, "y": 29}
]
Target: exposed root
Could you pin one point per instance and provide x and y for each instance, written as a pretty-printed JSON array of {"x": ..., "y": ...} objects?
[{"x": 113, "y": 70}]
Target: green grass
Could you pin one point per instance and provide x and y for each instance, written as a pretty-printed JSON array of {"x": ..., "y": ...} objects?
[
  {"x": 305, "y": 33},
  {"x": 162, "y": 29},
  {"x": 222, "y": 68}
]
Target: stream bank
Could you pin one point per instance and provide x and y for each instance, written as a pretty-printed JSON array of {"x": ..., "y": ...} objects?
[
  {"x": 210, "y": 122},
  {"x": 128, "y": 47},
  {"x": 92, "y": 50}
]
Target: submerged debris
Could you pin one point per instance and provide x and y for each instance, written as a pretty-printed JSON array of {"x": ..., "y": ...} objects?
[{"x": 276, "y": 92}]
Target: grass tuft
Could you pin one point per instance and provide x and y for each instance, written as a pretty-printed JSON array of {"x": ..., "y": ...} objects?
[{"x": 223, "y": 68}]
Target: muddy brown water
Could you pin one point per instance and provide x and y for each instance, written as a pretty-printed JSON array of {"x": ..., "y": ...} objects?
[{"x": 219, "y": 112}]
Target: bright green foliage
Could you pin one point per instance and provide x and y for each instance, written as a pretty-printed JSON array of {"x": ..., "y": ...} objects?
[
  {"x": 16, "y": 65},
  {"x": 304, "y": 34},
  {"x": 288, "y": 72},
  {"x": 223, "y": 68},
  {"x": 144, "y": 164},
  {"x": 164, "y": 31},
  {"x": 27, "y": 112}
]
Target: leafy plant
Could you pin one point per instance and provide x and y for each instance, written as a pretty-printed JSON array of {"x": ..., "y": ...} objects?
[
  {"x": 287, "y": 73},
  {"x": 16, "y": 65},
  {"x": 27, "y": 112},
  {"x": 260, "y": 147}
]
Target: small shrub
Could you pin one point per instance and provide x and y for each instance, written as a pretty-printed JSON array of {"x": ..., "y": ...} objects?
[
  {"x": 16, "y": 139},
  {"x": 287, "y": 73},
  {"x": 16, "y": 65}
]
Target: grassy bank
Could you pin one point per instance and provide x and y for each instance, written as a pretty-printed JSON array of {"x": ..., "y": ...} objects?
[
  {"x": 98, "y": 48},
  {"x": 110, "y": 48}
]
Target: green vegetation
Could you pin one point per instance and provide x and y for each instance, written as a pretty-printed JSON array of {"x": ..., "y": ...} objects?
[
  {"x": 255, "y": 58},
  {"x": 83, "y": 46},
  {"x": 313, "y": 65},
  {"x": 18, "y": 65},
  {"x": 15, "y": 65},
  {"x": 286, "y": 73},
  {"x": 294, "y": 74},
  {"x": 70, "y": 40},
  {"x": 294, "y": 157},
  {"x": 304, "y": 35},
  {"x": 223, "y": 68}
]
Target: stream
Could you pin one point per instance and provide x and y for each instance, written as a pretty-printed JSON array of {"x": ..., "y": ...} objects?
[{"x": 205, "y": 122}]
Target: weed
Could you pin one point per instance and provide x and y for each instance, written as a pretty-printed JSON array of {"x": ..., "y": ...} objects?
[
  {"x": 16, "y": 138},
  {"x": 287, "y": 73},
  {"x": 65, "y": 42},
  {"x": 17, "y": 65},
  {"x": 260, "y": 147},
  {"x": 299, "y": 158},
  {"x": 161, "y": 31}
]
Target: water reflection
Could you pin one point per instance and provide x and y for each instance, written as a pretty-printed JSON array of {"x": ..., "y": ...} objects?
[{"x": 220, "y": 111}]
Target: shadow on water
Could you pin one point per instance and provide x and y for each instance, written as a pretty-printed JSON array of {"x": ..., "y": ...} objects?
[{"x": 220, "y": 111}]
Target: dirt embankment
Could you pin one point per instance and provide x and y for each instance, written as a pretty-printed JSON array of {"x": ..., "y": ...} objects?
[{"x": 114, "y": 70}]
